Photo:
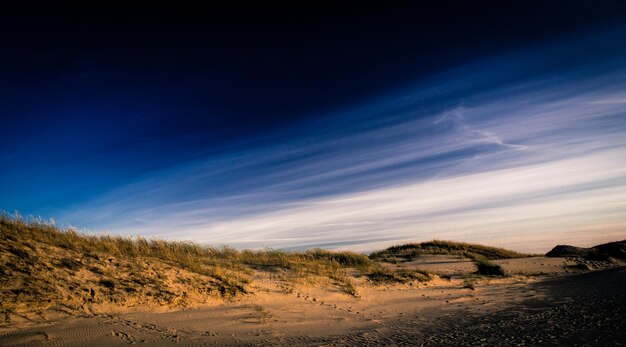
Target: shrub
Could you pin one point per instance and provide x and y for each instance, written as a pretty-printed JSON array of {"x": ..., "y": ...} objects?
[
  {"x": 107, "y": 283},
  {"x": 382, "y": 276},
  {"x": 487, "y": 268}
]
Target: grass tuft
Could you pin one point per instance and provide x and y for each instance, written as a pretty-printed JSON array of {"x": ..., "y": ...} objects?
[
  {"x": 487, "y": 268},
  {"x": 342, "y": 258},
  {"x": 111, "y": 268}
]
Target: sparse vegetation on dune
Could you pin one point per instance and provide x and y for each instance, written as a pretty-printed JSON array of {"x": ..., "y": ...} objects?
[
  {"x": 46, "y": 267},
  {"x": 411, "y": 251},
  {"x": 42, "y": 266}
]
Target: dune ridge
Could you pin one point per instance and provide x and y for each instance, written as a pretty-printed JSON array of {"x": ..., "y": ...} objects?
[{"x": 48, "y": 268}]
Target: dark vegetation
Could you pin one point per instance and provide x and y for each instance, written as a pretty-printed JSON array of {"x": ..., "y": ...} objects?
[
  {"x": 384, "y": 276},
  {"x": 411, "y": 251},
  {"x": 487, "y": 268}
]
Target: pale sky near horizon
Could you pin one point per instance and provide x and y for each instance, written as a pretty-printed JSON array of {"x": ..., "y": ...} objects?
[{"x": 525, "y": 166}]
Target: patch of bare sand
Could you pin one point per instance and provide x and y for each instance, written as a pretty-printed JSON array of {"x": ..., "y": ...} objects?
[
  {"x": 282, "y": 312},
  {"x": 451, "y": 265},
  {"x": 442, "y": 264},
  {"x": 537, "y": 266}
]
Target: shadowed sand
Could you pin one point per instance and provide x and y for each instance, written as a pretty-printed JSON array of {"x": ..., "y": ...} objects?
[{"x": 544, "y": 301}]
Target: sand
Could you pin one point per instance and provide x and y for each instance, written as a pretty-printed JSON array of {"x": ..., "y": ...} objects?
[{"x": 542, "y": 301}]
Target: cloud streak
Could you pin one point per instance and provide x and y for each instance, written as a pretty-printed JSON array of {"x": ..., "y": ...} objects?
[{"x": 526, "y": 164}]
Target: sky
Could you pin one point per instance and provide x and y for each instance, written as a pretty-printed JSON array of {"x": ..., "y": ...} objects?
[{"x": 354, "y": 126}]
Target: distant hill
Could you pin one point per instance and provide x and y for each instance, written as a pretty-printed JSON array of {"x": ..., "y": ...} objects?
[
  {"x": 408, "y": 252},
  {"x": 606, "y": 251}
]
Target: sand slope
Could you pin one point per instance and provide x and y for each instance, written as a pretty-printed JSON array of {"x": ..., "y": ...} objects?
[{"x": 556, "y": 303}]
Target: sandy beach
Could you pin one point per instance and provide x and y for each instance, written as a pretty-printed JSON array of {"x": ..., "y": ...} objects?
[{"x": 542, "y": 301}]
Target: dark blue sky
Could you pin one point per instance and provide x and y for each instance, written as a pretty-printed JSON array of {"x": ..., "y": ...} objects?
[{"x": 118, "y": 118}]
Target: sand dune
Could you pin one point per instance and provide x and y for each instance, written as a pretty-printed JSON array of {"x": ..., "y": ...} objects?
[
  {"x": 60, "y": 288},
  {"x": 567, "y": 306}
]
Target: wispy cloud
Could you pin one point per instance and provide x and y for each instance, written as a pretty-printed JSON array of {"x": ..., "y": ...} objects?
[{"x": 525, "y": 164}]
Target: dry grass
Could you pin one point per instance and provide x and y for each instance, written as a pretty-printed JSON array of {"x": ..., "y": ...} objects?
[
  {"x": 43, "y": 267},
  {"x": 384, "y": 275},
  {"x": 408, "y": 252}
]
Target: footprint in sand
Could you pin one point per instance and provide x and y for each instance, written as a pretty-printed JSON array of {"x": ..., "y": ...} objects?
[{"x": 124, "y": 336}]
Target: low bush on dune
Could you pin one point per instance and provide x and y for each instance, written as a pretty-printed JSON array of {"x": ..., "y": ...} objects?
[
  {"x": 388, "y": 276},
  {"x": 411, "y": 251},
  {"x": 485, "y": 267}
]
